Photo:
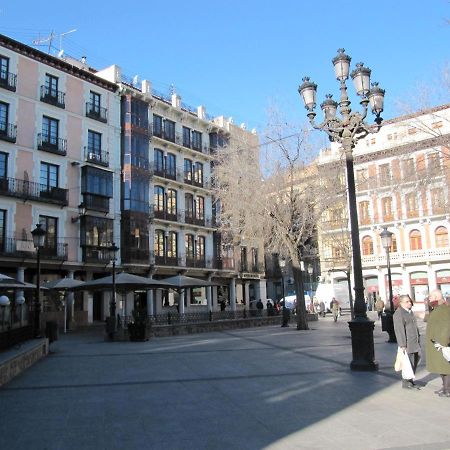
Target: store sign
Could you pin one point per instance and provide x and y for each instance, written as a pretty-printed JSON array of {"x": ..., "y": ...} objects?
[{"x": 25, "y": 246}]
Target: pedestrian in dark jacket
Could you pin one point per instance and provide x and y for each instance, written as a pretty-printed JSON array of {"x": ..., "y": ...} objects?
[
  {"x": 438, "y": 330},
  {"x": 407, "y": 334}
]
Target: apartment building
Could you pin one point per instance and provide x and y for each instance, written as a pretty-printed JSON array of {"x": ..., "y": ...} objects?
[
  {"x": 59, "y": 167},
  {"x": 402, "y": 182}
]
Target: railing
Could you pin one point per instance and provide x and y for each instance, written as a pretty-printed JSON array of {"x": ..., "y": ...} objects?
[
  {"x": 135, "y": 255},
  {"x": 101, "y": 254},
  {"x": 8, "y": 132},
  {"x": 164, "y": 215},
  {"x": 30, "y": 190},
  {"x": 96, "y": 202},
  {"x": 51, "y": 144},
  {"x": 407, "y": 257},
  {"x": 140, "y": 162},
  {"x": 196, "y": 262},
  {"x": 8, "y": 80},
  {"x": 12, "y": 247},
  {"x": 141, "y": 125},
  {"x": 96, "y": 112},
  {"x": 167, "y": 260},
  {"x": 53, "y": 97},
  {"x": 96, "y": 156},
  {"x": 57, "y": 251}
]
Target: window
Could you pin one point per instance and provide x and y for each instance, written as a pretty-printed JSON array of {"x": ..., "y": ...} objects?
[
  {"x": 51, "y": 85},
  {"x": 158, "y": 246},
  {"x": 172, "y": 202},
  {"x": 255, "y": 259},
  {"x": 434, "y": 163},
  {"x": 412, "y": 209},
  {"x": 97, "y": 181},
  {"x": 3, "y": 165},
  {"x": 437, "y": 200},
  {"x": 244, "y": 259},
  {"x": 49, "y": 224},
  {"x": 169, "y": 130},
  {"x": 441, "y": 237},
  {"x": 98, "y": 232},
  {"x": 408, "y": 168},
  {"x": 4, "y": 69},
  {"x": 49, "y": 176},
  {"x": 196, "y": 140},
  {"x": 94, "y": 142},
  {"x": 189, "y": 246},
  {"x": 4, "y": 113},
  {"x": 393, "y": 248},
  {"x": 157, "y": 125},
  {"x": 187, "y": 137},
  {"x": 337, "y": 252},
  {"x": 95, "y": 102},
  {"x": 172, "y": 247},
  {"x": 367, "y": 246},
  {"x": 385, "y": 174},
  {"x": 187, "y": 171},
  {"x": 200, "y": 250},
  {"x": 386, "y": 208},
  {"x": 159, "y": 160},
  {"x": 189, "y": 205},
  {"x": 171, "y": 165},
  {"x": 198, "y": 173},
  {"x": 364, "y": 217},
  {"x": 415, "y": 240},
  {"x": 200, "y": 208},
  {"x": 159, "y": 198},
  {"x": 361, "y": 180},
  {"x": 50, "y": 131}
]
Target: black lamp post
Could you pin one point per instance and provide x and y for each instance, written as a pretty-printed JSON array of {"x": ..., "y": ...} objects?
[
  {"x": 111, "y": 322},
  {"x": 38, "y": 241},
  {"x": 348, "y": 130},
  {"x": 282, "y": 264},
  {"x": 310, "y": 270},
  {"x": 387, "y": 318}
]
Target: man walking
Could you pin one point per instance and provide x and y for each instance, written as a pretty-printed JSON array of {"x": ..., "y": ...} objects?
[{"x": 407, "y": 334}]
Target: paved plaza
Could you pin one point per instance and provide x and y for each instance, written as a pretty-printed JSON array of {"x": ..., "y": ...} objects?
[{"x": 257, "y": 388}]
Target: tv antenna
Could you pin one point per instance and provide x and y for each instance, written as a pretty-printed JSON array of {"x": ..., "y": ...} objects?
[{"x": 49, "y": 39}]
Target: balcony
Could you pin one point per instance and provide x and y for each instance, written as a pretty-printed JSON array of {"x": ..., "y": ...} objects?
[
  {"x": 164, "y": 173},
  {"x": 29, "y": 190},
  {"x": 135, "y": 255},
  {"x": 19, "y": 248},
  {"x": 8, "y": 132},
  {"x": 51, "y": 144},
  {"x": 164, "y": 215},
  {"x": 411, "y": 257},
  {"x": 140, "y": 125},
  {"x": 224, "y": 263},
  {"x": 167, "y": 261},
  {"x": 96, "y": 202},
  {"x": 8, "y": 81},
  {"x": 96, "y": 254},
  {"x": 96, "y": 156},
  {"x": 194, "y": 220},
  {"x": 96, "y": 112},
  {"x": 53, "y": 97},
  {"x": 196, "y": 262}
]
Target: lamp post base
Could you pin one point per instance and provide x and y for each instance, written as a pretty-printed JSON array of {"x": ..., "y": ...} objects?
[
  {"x": 362, "y": 345},
  {"x": 286, "y": 318},
  {"x": 110, "y": 327},
  {"x": 387, "y": 324}
]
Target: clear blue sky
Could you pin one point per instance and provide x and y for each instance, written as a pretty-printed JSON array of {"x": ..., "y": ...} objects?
[{"x": 236, "y": 57}]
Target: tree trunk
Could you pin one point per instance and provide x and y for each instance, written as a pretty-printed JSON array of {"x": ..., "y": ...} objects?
[{"x": 302, "y": 323}]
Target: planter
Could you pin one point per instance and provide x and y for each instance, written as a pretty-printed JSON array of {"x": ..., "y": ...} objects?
[{"x": 137, "y": 332}]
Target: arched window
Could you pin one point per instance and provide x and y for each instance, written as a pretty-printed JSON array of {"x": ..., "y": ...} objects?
[
  {"x": 200, "y": 250},
  {"x": 200, "y": 208},
  {"x": 441, "y": 237},
  {"x": 158, "y": 198},
  {"x": 415, "y": 240},
  {"x": 393, "y": 248},
  {"x": 367, "y": 245},
  {"x": 159, "y": 160},
  {"x": 172, "y": 247},
  {"x": 189, "y": 205},
  {"x": 171, "y": 165},
  {"x": 172, "y": 201},
  {"x": 189, "y": 246},
  {"x": 159, "y": 243}
]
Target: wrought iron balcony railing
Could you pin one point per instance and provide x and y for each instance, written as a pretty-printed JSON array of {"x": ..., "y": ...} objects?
[
  {"x": 96, "y": 112},
  {"x": 96, "y": 254},
  {"x": 96, "y": 202},
  {"x": 165, "y": 215},
  {"x": 8, "y": 80},
  {"x": 96, "y": 156},
  {"x": 8, "y": 132},
  {"x": 29, "y": 190},
  {"x": 135, "y": 255},
  {"x": 196, "y": 262},
  {"x": 14, "y": 248},
  {"x": 53, "y": 97},
  {"x": 52, "y": 144}
]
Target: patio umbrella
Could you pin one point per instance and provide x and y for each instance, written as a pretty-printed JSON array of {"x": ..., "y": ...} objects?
[
  {"x": 124, "y": 282},
  {"x": 7, "y": 282},
  {"x": 62, "y": 284},
  {"x": 183, "y": 281}
]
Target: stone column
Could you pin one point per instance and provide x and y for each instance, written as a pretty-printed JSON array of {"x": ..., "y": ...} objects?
[
  {"x": 150, "y": 303},
  {"x": 233, "y": 294},
  {"x": 181, "y": 301},
  {"x": 70, "y": 305},
  {"x": 209, "y": 295},
  {"x": 20, "y": 275}
]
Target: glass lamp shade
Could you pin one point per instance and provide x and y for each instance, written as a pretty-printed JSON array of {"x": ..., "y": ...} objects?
[
  {"x": 112, "y": 251},
  {"x": 361, "y": 79},
  {"x": 282, "y": 263},
  {"x": 329, "y": 107},
  {"x": 376, "y": 99},
  {"x": 341, "y": 64},
  {"x": 20, "y": 300},
  {"x": 38, "y": 236},
  {"x": 386, "y": 238},
  {"x": 308, "y": 91},
  {"x": 4, "y": 300}
]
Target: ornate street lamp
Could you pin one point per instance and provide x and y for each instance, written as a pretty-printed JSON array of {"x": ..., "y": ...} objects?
[
  {"x": 387, "y": 318},
  {"x": 111, "y": 322},
  {"x": 348, "y": 130},
  {"x": 38, "y": 241},
  {"x": 282, "y": 264}
]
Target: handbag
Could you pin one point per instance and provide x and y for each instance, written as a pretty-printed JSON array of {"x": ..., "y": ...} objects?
[
  {"x": 398, "y": 360},
  {"x": 407, "y": 371}
]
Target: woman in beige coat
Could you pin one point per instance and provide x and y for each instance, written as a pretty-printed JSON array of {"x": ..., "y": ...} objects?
[{"x": 438, "y": 330}]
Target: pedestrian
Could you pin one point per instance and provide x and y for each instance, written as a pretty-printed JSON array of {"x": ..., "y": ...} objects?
[
  {"x": 322, "y": 308},
  {"x": 269, "y": 306},
  {"x": 438, "y": 330},
  {"x": 334, "y": 306},
  {"x": 379, "y": 306},
  {"x": 223, "y": 305},
  {"x": 407, "y": 334},
  {"x": 259, "y": 307}
]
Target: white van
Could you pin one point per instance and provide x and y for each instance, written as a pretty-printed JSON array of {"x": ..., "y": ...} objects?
[
  {"x": 326, "y": 291},
  {"x": 292, "y": 299}
]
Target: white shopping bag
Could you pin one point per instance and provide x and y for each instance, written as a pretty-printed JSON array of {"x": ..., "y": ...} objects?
[{"x": 407, "y": 371}]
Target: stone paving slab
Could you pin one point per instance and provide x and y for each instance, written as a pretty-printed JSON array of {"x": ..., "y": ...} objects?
[{"x": 258, "y": 388}]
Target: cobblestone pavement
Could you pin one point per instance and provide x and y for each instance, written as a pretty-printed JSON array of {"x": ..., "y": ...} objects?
[{"x": 258, "y": 388}]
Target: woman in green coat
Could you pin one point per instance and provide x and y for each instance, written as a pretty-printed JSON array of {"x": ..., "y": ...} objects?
[{"x": 438, "y": 330}]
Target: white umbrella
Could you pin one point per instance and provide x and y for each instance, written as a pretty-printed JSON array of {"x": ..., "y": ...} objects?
[{"x": 182, "y": 281}]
